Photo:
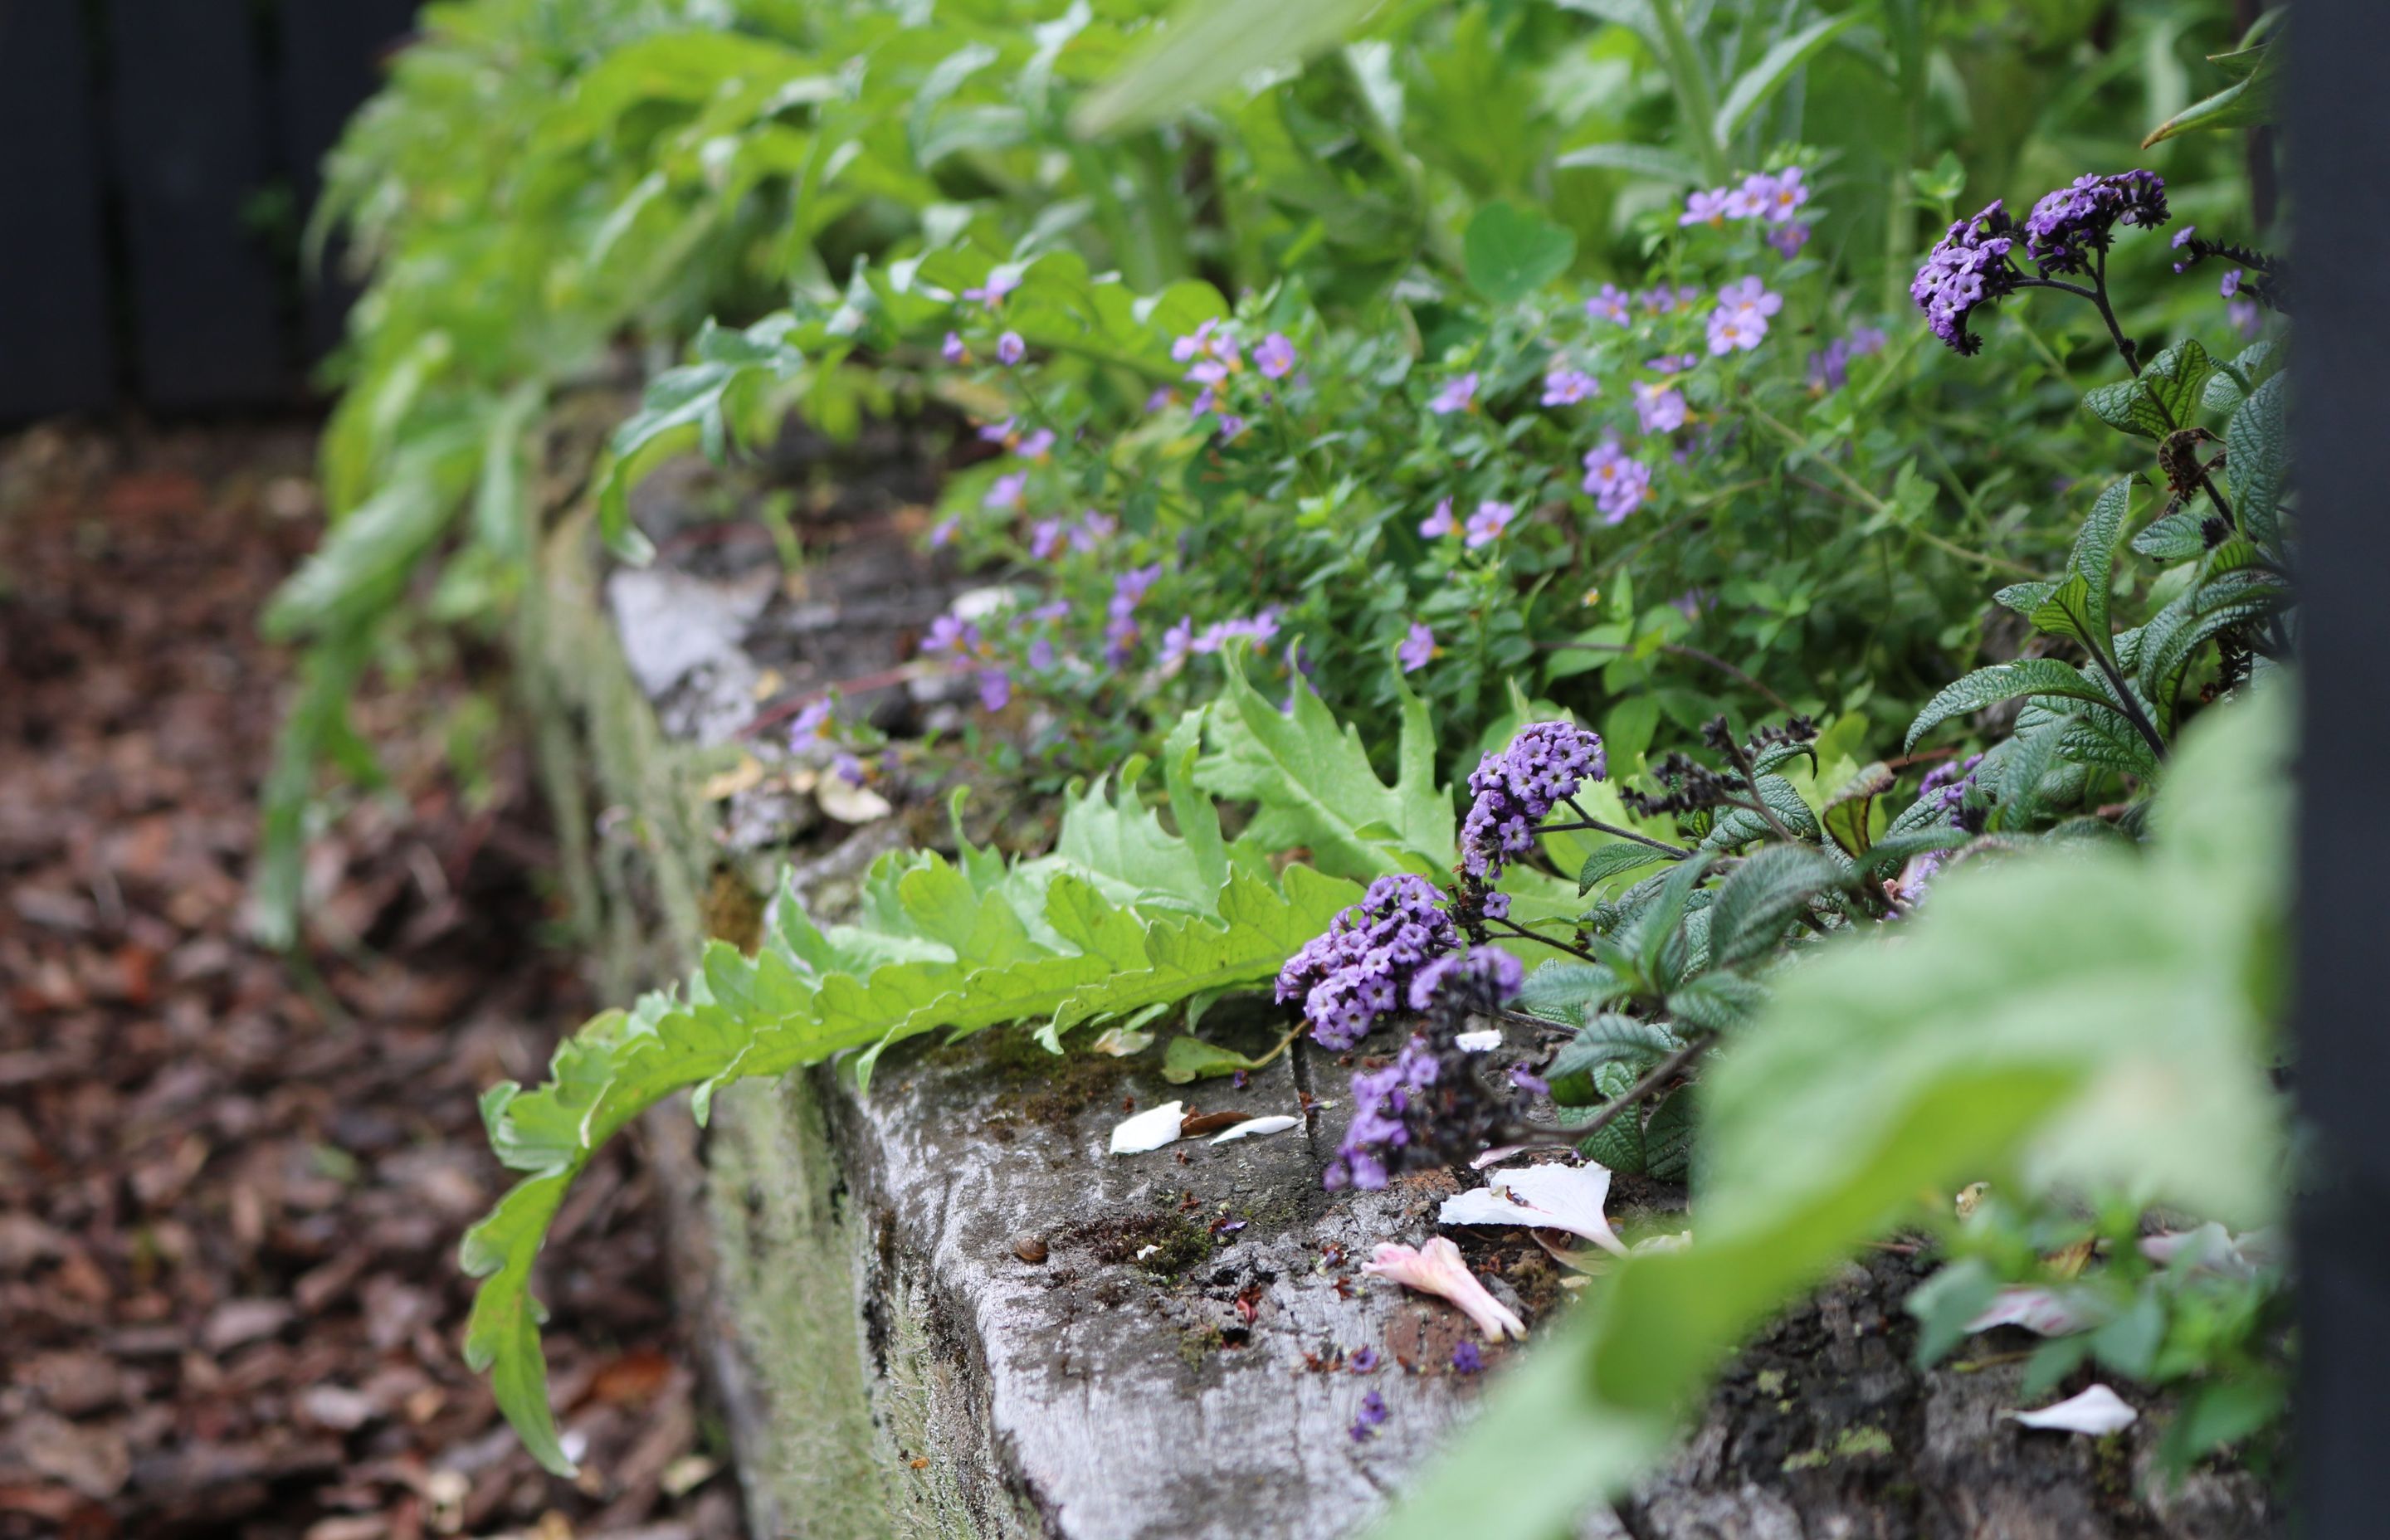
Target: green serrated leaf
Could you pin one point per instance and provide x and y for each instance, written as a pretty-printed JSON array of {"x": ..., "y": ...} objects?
[
  {"x": 1564, "y": 990},
  {"x": 2258, "y": 452},
  {"x": 1717, "y": 1001},
  {"x": 1988, "y": 686},
  {"x": 1315, "y": 788},
  {"x": 2128, "y": 408},
  {"x": 1608, "y": 861},
  {"x": 2176, "y": 537},
  {"x": 1608, "y": 1037},
  {"x": 2177, "y": 378},
  {"x": 1772, "y": 887}
]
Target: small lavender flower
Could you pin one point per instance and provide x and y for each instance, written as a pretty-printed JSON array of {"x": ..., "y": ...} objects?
[
  {"x": 1707, "y": 206},
  {"x": 1750, "y": 198},
  {"x": 951, "y": 634},
  {"x": 991, "y": 294},
  {"x": 1041, "y": 654},
  {"x": 1231, "y": 427},
  {"x": 2068, "y": 225},
  {"x": 811, "y": 724},
  {"x": 994, "y": 689},
  {"x": 1120, "y": 628},
  {"x": 1608, "y": 305},
  {"x": 1618, "y": 482},
  {"x": 1362, "y": 1360},
  {"x": 1373, "y": 1414},
  {"x": 2231, "y": 284},
  {"x": 1658, "y": 408},
  {"x": 1782, "y": 196},
  {"x": 1672, "y": 363},
  {"x": 1458, "y": 395},
  {"x": 1258, "y": 629},
  {"x": 1356, "y": 972},
  {"x": 1514, "y": 789},
  {"x": 1176, "y": 643},
  {"x": 1008, "y": 492},
  {"x": 943, "y": 532},
  {"x": 1035, "y": 445},
  {"x": 2182, "y": 238},
  {"x": 850, "y": 769},
  {"x": 1487, "y": 525},
  {"x": 1275, "y": 356},
  {"x": 1436, "y": 525},
  {"x": 1740, "y": 319},
  {"x": 953, "y": 351},
  {"x": 1972, "y": 265},
  {"x": 1093, "y": 530},
  {"x": 1495, "y": 906},
  {"x": 1007, "y": 432},
  {"x": 1162, "y": 397},
  {"x": 1466, "y": 1358},
  {"x": 1210, "y": 341},
  {"x": 2245, "y": 317},
  {"x": 1045, "y": 539},
  {"x": 1418, "y": 648},
  {"x": 1566, "y": 386},
  {"x": 1010, "y": 349},
  {"x": 1789, "y": 239}
]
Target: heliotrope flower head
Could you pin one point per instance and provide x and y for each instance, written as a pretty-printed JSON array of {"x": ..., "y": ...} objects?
[
  {"x": 2072, "y": 222},
  {"x": 1487, "y": 525},
  {"x": 1515, "y": 789},
  {"x": 1358, "y": 969},
  {"x": 1275, "y": 356},
  {"x": 1480, "y": 979},
  {"x": 1972, "y": 265},
  {"x": 1458, "y": 395}
]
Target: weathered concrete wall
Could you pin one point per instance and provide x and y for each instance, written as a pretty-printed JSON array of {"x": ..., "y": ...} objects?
[{"x": 944, "y": 1310}]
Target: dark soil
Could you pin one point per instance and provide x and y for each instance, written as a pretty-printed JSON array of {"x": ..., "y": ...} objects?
[{"x": 231, "y": 1188}]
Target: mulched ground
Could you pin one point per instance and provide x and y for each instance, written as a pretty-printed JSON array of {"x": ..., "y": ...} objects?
[{"x": 231, "y": 1190}]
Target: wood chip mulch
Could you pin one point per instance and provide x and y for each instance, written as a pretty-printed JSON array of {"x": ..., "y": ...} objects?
[{"x": 230, "y": 1189}]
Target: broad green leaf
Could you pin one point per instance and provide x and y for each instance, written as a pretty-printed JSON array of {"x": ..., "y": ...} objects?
[
  {"x": 2177, "y": 379},
  {"x": 2094, "y": 557},
  {"x": 1717, "y": 1001},
  {"x": 2067, "y": 613},
  {"x": 1204, "y": 49},
  {"x": 1508, "y": 254},
  {"x": 1771, "y": 889},
  {"x": 1752, "y": 89},
  {"x": 1988, "y": 686},
  {"x": 1739, "y": 826},
  {"x": 2176, "y": 537},
  {"x": 1849, "y": 810},
  {"x": 2257, "y": 453},
  {"x": 1564, "y": 990},
  {"x": 1315, "y": 788},
  {"x": 1608, "y": 861},
  {"x": 2248, "y": 102},
  {"x": 1647, "y": 160},
  {"x": 2128, "y": 408},
  {"x": 1607, "y": 1037},
  {"x": 1898, "y": 847}
]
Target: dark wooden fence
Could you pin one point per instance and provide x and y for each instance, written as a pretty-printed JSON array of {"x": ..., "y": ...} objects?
[{"x": 157, "y": 160}]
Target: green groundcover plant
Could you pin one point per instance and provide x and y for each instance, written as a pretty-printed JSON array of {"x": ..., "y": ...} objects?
[{"x": 1505, "y": 454}]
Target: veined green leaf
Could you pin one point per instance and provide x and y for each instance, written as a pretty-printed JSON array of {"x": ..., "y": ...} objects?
[
  {"x": 1771, "y": 889},
  {"x": 1999, "y": 682}
]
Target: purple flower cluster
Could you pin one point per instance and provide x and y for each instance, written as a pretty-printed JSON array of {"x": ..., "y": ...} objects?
[
  {"x": 1386, "y": 1103},
  {"x": 2071, "y": 223},
  {"x": 1971, "y": 265},
  {"x": 1479, "y": 979},
  {"x": 1951, "y": 782},
  {"x": 1739, "y": 322},
  {"x": 1515, "y": 790},
  {"x": 1359, "y": 968}
]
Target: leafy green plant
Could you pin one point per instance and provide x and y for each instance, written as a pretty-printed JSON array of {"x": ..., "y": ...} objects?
[{"x": 2093, "y": 1019}]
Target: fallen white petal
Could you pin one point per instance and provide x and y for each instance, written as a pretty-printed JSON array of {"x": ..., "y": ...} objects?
[
  {"x": 1145, "y": 1251},
  {"x": 850, "y": 804},
  {"x": 1120, "y": 1043},
  {"x": 2044, "y": 1312},
  {"x": 1438, "y": 1268},
  {"x": 2096, "y": 1411},
  {"x": 1276, "y": 1123},
  {"x": 1572, "y": 1195},
  {"x": 1479, "y": 1041},
  {"x": 1148, "y": 1130},
  {"x": 1485, "y": 1206},
  {"x": 1502, "y": 1152}
]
